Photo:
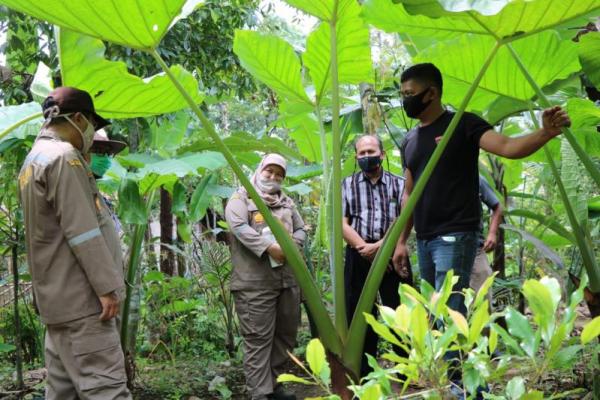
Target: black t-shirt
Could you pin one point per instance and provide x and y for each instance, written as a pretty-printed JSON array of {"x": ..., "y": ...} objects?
[{"x": 450, "y": 201}]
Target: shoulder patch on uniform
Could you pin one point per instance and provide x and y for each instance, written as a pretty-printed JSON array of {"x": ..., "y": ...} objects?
[
  {"x": 75, "y": 163},
  {"x": 25, "y": 176},
  {"x": 258, "y": 218}
]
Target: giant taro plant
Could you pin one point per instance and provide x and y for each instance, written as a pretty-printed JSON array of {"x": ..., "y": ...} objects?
[{"x": 484, "y": 48}]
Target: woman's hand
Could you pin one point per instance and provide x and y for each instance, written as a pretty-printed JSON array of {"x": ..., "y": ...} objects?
[{"x": 275, "y": 251}]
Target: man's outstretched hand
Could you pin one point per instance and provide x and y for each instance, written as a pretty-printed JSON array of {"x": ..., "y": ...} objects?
[{"x": 554, "y": 119}]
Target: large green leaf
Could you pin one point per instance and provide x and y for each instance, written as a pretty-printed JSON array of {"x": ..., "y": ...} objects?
[
  {"x": 325, "y": 10},
  {"x": 574, "y": 178},
  {"x": 133, "y": 23},
  {"x": 168, "y": 133},
  {"x": 272, "y": 61},
  {"x": 390, "y": 17},
  {"x": 428, "y": 7},
  {"x": 589, "y": 48},
  {"x": 460, "y": 60},
  {"x": 353, "y": 51},
  {"x": 585, "y": 119},
  {"x": 132, "y": 209},
  {"x": 186, "y": 164},
  {"x": 116, "y": 92},
  {"x": 517, "y": 18},
  {"x": 242, "y": 142},
  {"x": 200, "y": 198},
  {"x": 16, "y": 122}
]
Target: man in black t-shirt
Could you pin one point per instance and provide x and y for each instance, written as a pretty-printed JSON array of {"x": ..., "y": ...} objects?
[{"x": 447, "y": 216}]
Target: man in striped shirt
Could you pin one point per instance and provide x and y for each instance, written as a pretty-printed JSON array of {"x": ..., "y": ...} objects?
[{"x": 371, "y": 203}]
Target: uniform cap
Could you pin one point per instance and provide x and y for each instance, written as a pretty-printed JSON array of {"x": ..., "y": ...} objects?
[{"x": 66, "y": 100}]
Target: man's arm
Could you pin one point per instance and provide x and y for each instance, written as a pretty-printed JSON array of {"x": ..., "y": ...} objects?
[
  {"x": 492, "y": 237},
  {"x": 350, "y": 235},
  {"x": 553, "y": 120}
]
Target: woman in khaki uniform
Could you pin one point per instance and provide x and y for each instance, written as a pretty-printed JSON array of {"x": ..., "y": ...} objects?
[{"x": 267, "y": 298}]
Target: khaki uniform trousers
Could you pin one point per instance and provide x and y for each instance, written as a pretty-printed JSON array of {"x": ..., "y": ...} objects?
[
  {"x": 85, "y": 361},
  {"x": 269, "y": 320},
  {"x": 480, "y": 272}
]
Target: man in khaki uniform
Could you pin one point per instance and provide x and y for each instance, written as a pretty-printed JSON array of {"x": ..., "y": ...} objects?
[
  {"x": 267, "y": 298},
  {"x": 73, "y": 253}
]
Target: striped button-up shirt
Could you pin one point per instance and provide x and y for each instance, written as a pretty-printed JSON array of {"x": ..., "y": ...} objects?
[{"x": 371, "y": 208}]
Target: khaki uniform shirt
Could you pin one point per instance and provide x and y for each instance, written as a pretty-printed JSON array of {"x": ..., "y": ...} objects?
[
  {"x": 73, "y": 250},
  {"x": 251, "y": 266}
]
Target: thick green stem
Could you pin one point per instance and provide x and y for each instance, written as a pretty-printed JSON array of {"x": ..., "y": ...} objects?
[
  {"x": 585, "y": 247},
  {"x": 543, "y": 100},
  {"x": 324, "y": 216},
  {"x": 133, "y": 264},
  {"x": 354, "y": 346},
  {"x": 326, "y": 329},
  {"x": 19, "y": 123},
  {"x": 17, "y": 318},
  {"x": 337, "y": 244}
]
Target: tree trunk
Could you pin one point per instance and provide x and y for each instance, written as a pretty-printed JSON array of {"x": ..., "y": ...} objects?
[
  {"x": 339, "y": 377},
  {"x": 167, "y": 257},
  {"x": 371, "y": 113},
  {"x": 181, "y": 264}
]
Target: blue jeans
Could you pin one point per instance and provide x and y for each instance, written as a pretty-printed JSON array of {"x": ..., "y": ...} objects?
[{"x": 439, "y": 255}]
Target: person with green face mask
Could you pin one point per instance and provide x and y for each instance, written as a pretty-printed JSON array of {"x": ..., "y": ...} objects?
[
  {"x": 100, "y": 160},
  {"x": 101, "y": 153}
]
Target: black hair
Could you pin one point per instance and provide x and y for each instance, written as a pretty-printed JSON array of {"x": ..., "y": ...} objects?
[
  {"x": 379, "y": 141},
  {"x": 425, "y": 73}
]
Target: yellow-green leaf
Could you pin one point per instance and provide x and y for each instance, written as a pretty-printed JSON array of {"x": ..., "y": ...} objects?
[
  {"x": 293, "y": 378},
  {"x": 460, "y": 322},
  {"x": 591, "y": 331},
  {"x": 381, "y": 330},
  {"x": 315, "y": 355}
]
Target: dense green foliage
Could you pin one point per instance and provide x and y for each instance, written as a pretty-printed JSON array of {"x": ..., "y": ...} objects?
[{"x": 200, "y": 91}]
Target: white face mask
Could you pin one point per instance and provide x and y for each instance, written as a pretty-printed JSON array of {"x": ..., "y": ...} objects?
[
  {"x": 268, "y": 185},
  {"x": 87, "y": 136}
]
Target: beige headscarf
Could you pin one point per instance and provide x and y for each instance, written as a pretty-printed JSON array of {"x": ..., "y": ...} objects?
[{"x": 273, "y": 200}]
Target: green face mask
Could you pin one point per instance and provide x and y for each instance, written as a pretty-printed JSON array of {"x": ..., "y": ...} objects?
[{"x": 100, "y": 164}]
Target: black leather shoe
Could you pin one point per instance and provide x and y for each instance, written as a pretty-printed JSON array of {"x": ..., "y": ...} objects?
[{"x": 280, "y": 394}]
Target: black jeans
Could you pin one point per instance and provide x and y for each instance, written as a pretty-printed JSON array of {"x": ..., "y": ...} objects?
[{"x": 356, "y": 269}]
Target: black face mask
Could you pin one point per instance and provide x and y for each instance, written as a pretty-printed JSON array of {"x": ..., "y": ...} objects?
[
  {"x": 413, "y": 105},
  {"x": 369, "y": 163}
]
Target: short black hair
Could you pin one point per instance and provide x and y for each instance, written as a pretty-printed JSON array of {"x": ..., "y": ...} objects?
[
  {"x": 379, "y": 141},
  {"x": 426, "y": 73}
]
